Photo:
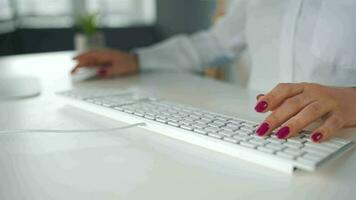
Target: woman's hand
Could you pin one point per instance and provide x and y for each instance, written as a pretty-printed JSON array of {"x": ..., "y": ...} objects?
[
  {"x": 294, "y": 106},
  {"x": 108, "y": 62}
]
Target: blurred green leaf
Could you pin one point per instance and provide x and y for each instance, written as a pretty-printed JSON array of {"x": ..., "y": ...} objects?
[{"x": 87, "y": 24}]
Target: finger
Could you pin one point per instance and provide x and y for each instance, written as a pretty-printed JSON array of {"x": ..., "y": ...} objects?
[
  {"x": 309, "y": 114},
  {"x": 109, "y": 71},
  {"x": 328, "y": 129},
  {"x": 80, "y": 64},
  {"x": 277, "y": 95},
  {"x": 285, "y": 111},
  {"x": 85, "y": 55},
  {"x": 76, "y": 67},
  {"x": 102, "y": 72},
  {"x": 85, "y": 62},
  {"x": 259, "y": 96}
]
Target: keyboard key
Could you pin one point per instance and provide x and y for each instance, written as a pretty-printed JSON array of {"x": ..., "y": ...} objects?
[
  {"x": 293, "y": 151},
  {"x": 217, "y": 120},
  {"x": 173, "y": 123},
  {"x": 243, "y": 132},
  {"x": 186, "y": 122},
  {"x": 199, "y": 125},
  {"x": 226, "y": 133},
  {"x": 233, "y": 125},
  {"x": 266, "y": 150},
  {"x": 209, "y": 116},
  {"x": 159, "y": 119},
  {"x": 141, "y": 114},
  {"x": 258, "y": 141},
  {"x": 186, "y": 127},
  {"x": 195, "y": 117},
  {"x": 285, "y": 155},
  {"x": 241, "y": 137},
  {"x": 201, "y": 131},
  {"x": 174, "y": 119},
  {"x": 339, "y": 141},
  {"x": 118, "y": 108},
  {"x": 214, "y": 135},
  {"x": 216, "y": 124},
  {"x": 275, "y": 140},
  {"x": 228, "y": 129},
  {"x": 277, "y": 147},
  {"x": 249, "y": 125},
  {"x": 293, "y": 145},
  {"x": 149, "y": 116},
  {"x": 231, "y": 140},
  {"x": 129, "y": 111},
  {"x": 312, "y": 157},
  {"x": 305, "y": 161},
  {"x": 236, "y": 121},
  {"x": 315, "y": 151},
  {"x": 247, "y": 144},
  {"x": 204, "y": 121},
  {"x": 319, "y": 146},
  {"x": 212, "y": 129}
]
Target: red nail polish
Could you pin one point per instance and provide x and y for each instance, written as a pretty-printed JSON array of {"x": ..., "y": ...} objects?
[
  {"x": 261, "y": 106},
  {"x": 262, "y": 129},
  {"x": 316, "y": 137},
  {"x": 283, "y": 132},
  {"x": 102, "y": 72}
]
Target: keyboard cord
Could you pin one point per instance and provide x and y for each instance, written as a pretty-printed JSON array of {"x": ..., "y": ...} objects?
[{"x": 71, "y": 131}]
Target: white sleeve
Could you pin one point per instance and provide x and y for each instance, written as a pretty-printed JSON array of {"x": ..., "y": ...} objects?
[{"x": 221, "y": 43}]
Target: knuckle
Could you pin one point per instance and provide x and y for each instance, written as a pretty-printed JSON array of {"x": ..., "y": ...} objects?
[
  {"x": 297, "y": 123},
  {"x": 270, "y": 97},
  {"x": 293, "y": 101},
  {"x": 336, "y": 121},
  {"x": 314, "y": 109},
  {"x": 273, "y": 119}
]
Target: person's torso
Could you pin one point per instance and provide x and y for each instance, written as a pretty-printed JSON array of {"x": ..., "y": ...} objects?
[{"x": 301, "y": 41}]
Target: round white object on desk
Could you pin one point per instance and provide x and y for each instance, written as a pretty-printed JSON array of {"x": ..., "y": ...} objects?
[{"x": 19, "y": 88}]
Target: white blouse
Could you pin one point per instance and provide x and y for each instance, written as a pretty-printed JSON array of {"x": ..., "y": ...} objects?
[{"x": 287, "y": 41}]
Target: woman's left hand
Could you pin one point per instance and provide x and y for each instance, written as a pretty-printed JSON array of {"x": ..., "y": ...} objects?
[{"x": 296, "y": 105}]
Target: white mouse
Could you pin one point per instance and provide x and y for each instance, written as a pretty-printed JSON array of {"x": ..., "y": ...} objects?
[
  {"x": 85, "y": 73},
  {"x": 19, "y": 88}
]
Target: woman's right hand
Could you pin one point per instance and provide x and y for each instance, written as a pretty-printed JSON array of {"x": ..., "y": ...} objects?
[{"x": 109, "y": 62}]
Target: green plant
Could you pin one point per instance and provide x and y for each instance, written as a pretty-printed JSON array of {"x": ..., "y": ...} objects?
[{"x": 87, "y": 24}]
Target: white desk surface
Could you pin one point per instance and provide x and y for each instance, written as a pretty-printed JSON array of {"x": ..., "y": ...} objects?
[{"x": 136, "y": 164}]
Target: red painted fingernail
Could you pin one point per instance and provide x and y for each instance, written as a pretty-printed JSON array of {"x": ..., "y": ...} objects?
[
  {"x": 258, "y": 96},
  {"x": 283, "y": 132},
  {"x": 102, "y": 72},
  {"x": 262, "y": 129},
  {"x": 261, "y": 106},
  {"x": 316, "y": 137}
]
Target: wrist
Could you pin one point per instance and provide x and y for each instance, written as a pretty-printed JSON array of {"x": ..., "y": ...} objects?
[{"x": 350, "y": 99}]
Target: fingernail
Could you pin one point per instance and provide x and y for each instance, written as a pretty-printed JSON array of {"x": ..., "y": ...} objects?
[
  {"x": 102, "y": 72},
  {"x": 316, "y": 137},
  {"x": 258, "y": 96},
  {"x": 283, "y": 132},
  {"x": 261, "y": 106},
  {"x": 262, "y": 129}
]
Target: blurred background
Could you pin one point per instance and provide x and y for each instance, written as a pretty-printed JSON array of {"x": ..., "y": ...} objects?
[
  {"x": 31, "y": 26},
  {"x": 35, "y": 26}
]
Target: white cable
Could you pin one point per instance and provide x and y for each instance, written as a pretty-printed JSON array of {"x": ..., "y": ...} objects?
[{"x": 70, "y": 131}]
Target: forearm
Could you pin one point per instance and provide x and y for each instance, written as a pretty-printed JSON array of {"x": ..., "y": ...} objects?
[
  {"x": 346, "y": 102},
  {"x": 223, "y": 42}
]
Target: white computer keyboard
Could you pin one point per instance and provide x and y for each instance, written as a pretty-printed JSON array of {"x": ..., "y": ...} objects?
[{"x": 226, "y": 134}]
